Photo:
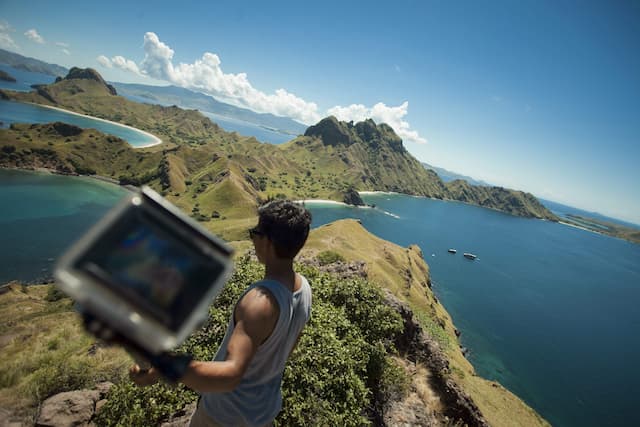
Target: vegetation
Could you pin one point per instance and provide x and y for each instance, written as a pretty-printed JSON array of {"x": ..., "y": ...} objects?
[
  {"x": 200, "y": 164},
  {"x": 219, "y": 178}
]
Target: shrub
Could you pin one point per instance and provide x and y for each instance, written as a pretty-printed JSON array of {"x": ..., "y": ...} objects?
[
  {"x": 54, "y": 294},
  {"x": 339, "y": 371},
  {"x": 329, "y": 257}
]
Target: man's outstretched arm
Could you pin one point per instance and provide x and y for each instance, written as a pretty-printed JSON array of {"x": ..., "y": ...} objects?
[{"x": 255, "y": 317}]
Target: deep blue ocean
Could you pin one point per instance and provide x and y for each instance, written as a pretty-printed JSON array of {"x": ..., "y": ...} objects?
[{"x": 548, "y": 310}]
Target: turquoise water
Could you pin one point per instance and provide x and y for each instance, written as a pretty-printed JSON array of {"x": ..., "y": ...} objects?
[
  {"x": 18, "y": 112},
  {"x": 548, "y": 310},
  {"x": 41, "y": 214},
  {"x": 249, "y": 129},
  {"x": 24, "y": 79}
]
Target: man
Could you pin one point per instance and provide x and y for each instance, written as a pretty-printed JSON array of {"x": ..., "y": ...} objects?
[{"x": 241, "y": 386}]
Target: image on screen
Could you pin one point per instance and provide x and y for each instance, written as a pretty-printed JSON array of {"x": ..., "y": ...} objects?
[{"x": 152, "y": 268}]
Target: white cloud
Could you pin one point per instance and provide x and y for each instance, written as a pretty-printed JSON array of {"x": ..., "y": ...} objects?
[
  {"x": 61, "y": 44},
  {"x": 6, "y": 41},
  {"x": 206, "y": 75},
  {"x": 125, "y": 64},
  {"x": 380, "y": 113},
  {"x": 66, "y": 51},
  {"x": 33, "y": 35},
  {"x": 104, "y": 61},
  {"x": 119, "y": 62}
]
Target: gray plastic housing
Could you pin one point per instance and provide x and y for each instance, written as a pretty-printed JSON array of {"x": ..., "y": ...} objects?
[{"x": 98, "y": 298}]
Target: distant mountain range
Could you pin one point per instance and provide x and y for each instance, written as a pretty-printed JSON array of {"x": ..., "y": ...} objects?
[
  {"x": 166, "y": 95},
  {"x": 448, "y": 176},
  {"x": 173, "y": 95},
  {"x": 31, "y": 64}
]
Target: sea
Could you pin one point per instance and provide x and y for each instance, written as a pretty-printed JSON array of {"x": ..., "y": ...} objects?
[{"x": 549, "y": 311}]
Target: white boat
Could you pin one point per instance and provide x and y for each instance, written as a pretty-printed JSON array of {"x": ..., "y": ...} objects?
[
  {"x": 452, "y": 251},
  {"x": 470, "y": 256}
]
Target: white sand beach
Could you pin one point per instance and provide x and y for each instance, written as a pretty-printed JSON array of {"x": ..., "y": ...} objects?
[
  {"x": 320, "y": 201},
  {"x": 156, "y": 140}
]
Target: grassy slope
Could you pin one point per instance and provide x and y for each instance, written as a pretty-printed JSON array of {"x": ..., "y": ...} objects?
[
  {"x": 37, "y": 336},
  {"x": 389, "y": 265},
  {"x": 43, "y": 350}
]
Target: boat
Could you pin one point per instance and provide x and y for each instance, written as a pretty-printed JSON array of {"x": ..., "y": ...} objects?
[
  {"x": 452, "y": 251},
  {"x": 470, "y": 256}
]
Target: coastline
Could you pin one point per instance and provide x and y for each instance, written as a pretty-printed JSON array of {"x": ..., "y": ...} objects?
[{"x": 156, "y": 140}]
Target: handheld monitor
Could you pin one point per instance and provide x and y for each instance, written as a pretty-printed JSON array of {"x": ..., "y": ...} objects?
[{"x": 146, "y": 270}]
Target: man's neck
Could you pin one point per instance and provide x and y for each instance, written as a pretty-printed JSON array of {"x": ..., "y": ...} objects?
[{"x": 282, "y": 271}]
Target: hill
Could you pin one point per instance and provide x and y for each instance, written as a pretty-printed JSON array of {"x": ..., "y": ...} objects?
[
  {"x": 30, "y": 64},
  {"x": 172, "y": 95},
  {"x": 448, "y": 176},
  {"x": 220, "y": 177},
  {"x": 382, "y": 296}
]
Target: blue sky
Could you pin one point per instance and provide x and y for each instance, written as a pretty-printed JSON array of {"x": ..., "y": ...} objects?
[{"x": 537, "y": 96}]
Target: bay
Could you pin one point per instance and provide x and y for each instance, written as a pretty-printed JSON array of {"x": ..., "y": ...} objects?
[
  {"x": 548, "y": 310},
  {"x": 19, "y": 112},
  {"x": 42, "y": 214}
]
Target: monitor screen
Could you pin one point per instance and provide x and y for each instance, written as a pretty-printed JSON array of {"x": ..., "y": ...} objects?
[{"x": 159, "y": 270}]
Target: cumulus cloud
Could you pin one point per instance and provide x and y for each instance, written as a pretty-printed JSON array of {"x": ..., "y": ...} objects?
[
  {"x": 104, "y": 61},
  {"x": 206, "y": 75},
  {"x": 6, "y": 41},
  {"x": 125, "y": 64},
  {"x": 33, "y": 35},
  {"x": 380, "y": 113}
]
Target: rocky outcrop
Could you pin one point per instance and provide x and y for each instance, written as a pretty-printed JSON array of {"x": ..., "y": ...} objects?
[
  {"x": 419, "y": 347},
  {"x": 89, "y": 74},
  {"x": 351, "y": 197},
  {"x": 72, "y": 408},
  {"x": 331, "y": 131}
]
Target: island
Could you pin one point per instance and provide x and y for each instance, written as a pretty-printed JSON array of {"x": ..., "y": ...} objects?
[{"x": 7, "y": 77}]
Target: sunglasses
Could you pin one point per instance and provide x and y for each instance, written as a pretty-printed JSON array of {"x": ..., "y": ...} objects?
[{"x": 255, "y": 231}]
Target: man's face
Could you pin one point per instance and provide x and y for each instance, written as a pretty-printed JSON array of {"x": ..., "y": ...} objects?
[{"x": 260, "y": 240}]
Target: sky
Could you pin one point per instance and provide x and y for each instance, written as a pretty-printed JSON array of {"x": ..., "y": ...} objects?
[{"x": 539, "y": 96}]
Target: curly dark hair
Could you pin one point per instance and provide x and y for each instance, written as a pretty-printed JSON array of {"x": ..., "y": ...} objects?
[{"x": 286, "y": 224}]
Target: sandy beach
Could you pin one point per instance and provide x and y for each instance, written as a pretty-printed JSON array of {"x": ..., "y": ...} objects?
[
  {"x": 320, "y": 201},
  {"x": 156, "y": 140}
]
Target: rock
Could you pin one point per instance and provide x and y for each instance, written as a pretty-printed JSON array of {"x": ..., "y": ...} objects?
[
  {"x": 351, "y": 197},
  {"x": 182, "y": 418},
  {"x": 65, "y": 129},
  {"x": 103, "y": 388},
  {"x": 71, "y": 408}
]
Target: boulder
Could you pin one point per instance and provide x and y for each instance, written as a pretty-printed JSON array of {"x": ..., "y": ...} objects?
[{"x": 71, "y": 408}]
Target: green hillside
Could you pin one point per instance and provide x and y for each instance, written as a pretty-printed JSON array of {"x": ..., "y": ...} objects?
[{"x": 206, "y": 169}]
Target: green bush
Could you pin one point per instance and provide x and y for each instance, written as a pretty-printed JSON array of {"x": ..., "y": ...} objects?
[
  {"x": 329, "y": 257},
  {"x": 54, "y": 294},
  {"x": 339, "y": 372}
]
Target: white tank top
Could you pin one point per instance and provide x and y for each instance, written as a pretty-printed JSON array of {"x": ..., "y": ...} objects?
[{"x": 257, "y": 399}]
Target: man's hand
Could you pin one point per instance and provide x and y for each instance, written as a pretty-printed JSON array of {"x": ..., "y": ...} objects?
[{"x": 142, "y": 377}]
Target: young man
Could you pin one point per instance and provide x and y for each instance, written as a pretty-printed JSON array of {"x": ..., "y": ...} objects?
[{"x": 241, "y": 386}]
